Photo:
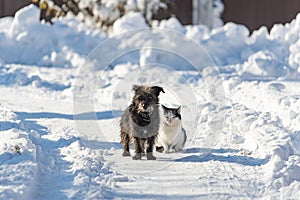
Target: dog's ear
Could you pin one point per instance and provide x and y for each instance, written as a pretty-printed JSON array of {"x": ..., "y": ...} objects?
[
  {"x": 156, "y": 90},
  {"x": 136, "y": 88}
]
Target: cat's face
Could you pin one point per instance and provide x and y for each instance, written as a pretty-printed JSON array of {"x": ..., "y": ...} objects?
[{"x": 171, "y": 116}]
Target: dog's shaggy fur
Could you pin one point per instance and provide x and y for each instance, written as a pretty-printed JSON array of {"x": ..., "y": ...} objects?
[{"x": 140, "y": 122}]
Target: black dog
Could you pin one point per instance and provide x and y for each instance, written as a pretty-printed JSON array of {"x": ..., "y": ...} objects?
[{"x": 140, "y": 122}]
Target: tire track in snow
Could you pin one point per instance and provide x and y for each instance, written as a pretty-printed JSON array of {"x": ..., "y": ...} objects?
[
  {"x": 69, "y": 166},
  {"x": 245, "y": 180},
  {"x": 52, "y": 176}
]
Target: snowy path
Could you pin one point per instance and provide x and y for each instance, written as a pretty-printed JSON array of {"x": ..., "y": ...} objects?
[
  {"x": 70, "y": 165},
  {"x": 195, "y": 173},
  {"x": 67, "y": 161},
  {"x": 188, "y": 175},
  {"x": 223, "y": 173}
]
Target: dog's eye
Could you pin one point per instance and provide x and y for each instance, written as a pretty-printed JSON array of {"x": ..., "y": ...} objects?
[{"x": 140, "y": 98}]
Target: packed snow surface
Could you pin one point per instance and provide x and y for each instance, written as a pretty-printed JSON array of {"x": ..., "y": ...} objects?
[{"x": 64, "y": 87}]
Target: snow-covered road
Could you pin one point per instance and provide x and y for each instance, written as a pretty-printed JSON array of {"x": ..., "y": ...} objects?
[{"x": 252, "y": 158}]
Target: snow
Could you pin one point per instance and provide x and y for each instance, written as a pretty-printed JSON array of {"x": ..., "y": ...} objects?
[
  {"x": 129, "y": 22},
  {"x": 173, "y": 24},
  {"x": 33, "y": 43},
  {"x": 64, "y": 87}
]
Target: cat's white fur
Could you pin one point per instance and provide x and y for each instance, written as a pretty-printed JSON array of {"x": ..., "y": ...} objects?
[{"x": 171, "y": 135}]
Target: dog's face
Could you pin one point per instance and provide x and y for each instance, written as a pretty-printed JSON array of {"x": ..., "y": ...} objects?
[{"x": 146, "y": 97}]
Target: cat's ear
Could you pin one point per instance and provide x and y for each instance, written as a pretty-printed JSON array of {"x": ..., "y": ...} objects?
[
  {"x": 178, "y": 110},
  {"x": 164, "y": 107},
  {"x": 156, "y": 90}
]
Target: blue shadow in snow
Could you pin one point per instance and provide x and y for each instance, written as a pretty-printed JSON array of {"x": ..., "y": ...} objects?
[
  {"x": 213, "y": 155},
  {"x": 81, "y": 116},
  {"x": 13, "y": 78},
  {"x": 54, "y": 86},
  {"x": 208, "y": 150},
  {"x": 94, "y": 144},
  {"x": 4, "y": 126}
]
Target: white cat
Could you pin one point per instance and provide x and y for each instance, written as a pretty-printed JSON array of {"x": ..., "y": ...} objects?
[{"x": 172, "y": 136}]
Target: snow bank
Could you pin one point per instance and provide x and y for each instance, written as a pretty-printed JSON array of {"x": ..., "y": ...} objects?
[
  {"x": 17, "y": 158},
  {"x": 260, "y": 54},
  {"x": 66, "y": 43},
  {"x": 27, "y": 41},
  {"x": 266, "y": 128},
  {"x": 173, "y": 24},
  {"x": 131, "y": 21},
  {"x": 17, "y": 75},
  {"x": 88, "y": 170}
]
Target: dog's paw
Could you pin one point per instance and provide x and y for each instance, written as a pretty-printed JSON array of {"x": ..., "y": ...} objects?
[
  {"x": 159, "y": 149},
  {"x": 150, "y": 156},
  {"x": 166, "y": 151},
  {"x": 137, "y": 156},
  {"x": 126, "y": 153}
]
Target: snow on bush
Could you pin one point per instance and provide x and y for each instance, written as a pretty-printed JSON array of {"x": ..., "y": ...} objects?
[
  {"x": 104, "y": 13},
  {"x": 218, "y": 10}
]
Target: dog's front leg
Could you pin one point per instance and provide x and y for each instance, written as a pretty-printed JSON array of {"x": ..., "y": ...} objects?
[
  {"x": 150, "y": 145},
  {"x": 138, "y": 149},
  {"x": 142, "y": 142},
  {"x": 125, "y": 140}
]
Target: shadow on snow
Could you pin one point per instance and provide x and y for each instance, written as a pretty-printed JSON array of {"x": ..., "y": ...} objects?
[
  {"x": 81, "y": 116},
  {"x": 4, "y": 126},
  {"x": 206, "y": 155}
]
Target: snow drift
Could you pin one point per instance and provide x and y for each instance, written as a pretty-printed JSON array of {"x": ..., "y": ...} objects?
[{"x": 67, "y": 43}]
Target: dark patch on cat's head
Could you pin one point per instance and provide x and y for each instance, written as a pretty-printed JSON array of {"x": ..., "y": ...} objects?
[{"x": 176, "y": 111}]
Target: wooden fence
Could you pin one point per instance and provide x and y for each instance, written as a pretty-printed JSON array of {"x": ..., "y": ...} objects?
[
  {"x": 257, "y": 13},
  {"x": 9, "y": 7},
  {"x": 252, "y": 13}
]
